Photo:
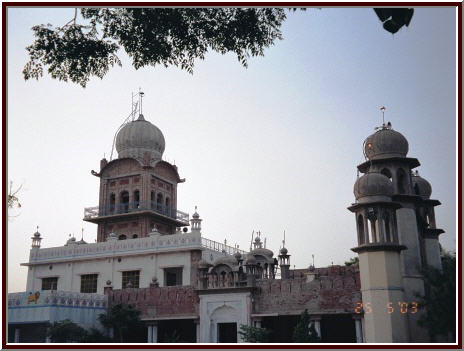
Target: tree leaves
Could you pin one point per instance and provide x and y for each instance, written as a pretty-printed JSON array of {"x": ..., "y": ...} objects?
[{"x": 150, "y": 36}]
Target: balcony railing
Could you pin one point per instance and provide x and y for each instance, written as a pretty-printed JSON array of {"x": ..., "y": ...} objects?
[
  {"x": 220, "y": 247},
  {"x": 129, "y": 207}
]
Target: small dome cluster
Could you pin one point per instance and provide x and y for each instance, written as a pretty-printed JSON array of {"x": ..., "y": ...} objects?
[
  {"x": 385, "y": 143},
  {"x": 138, "y": 138}
]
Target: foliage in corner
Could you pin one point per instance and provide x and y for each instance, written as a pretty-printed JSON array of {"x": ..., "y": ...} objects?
[
  {"x": 13, "y": 200},
  {"x": 159, "y": 36},
  {"x": 439, "y": 302},
  {"x": 149, "y": 36},
  {"x": 254, "y": 334},
  {"x": 304, "y": 331},
  {"x": 353, "y": 261}
]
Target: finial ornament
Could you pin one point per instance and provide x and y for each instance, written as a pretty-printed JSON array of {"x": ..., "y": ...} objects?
[
  {"x": 141, "y": 93},
  {"x": 383, "y": 114}
]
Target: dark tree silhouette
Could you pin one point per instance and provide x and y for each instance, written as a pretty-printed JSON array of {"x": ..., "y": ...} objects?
[
  {"x": 159, "y": 36},
  {"x": 126, "y": 323},
  {"x": 440, "y": 299}
]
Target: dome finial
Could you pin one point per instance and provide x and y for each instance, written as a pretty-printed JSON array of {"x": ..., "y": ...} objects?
[
  {"x": 383, "y": 115},
  {"x": 141, "y": 93}
]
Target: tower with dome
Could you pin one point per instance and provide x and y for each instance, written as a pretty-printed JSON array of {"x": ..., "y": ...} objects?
[
  {"x": 397, "y": 237},
  {"x": 138, "y": 189}
]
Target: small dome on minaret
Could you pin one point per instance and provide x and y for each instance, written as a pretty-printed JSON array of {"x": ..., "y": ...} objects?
[
  {"x": 385, "y": 143},
  {"x": 373, "y": 184},
  {"x": 421, "y": 186}
]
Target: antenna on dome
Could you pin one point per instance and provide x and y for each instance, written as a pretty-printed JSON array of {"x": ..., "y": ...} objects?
[
  {"x": 383, "y": 115},
  {"x": 141, "y": 93},
  {"x": 82, "y": 235},
  {"x": 131, "y": 118}
]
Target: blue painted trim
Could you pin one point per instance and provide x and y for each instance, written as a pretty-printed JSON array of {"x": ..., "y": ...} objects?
[{"x": 65, "y": 306}]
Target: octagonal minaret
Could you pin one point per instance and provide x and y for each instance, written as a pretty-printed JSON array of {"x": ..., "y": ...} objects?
[{"x": 379, "y": 258}]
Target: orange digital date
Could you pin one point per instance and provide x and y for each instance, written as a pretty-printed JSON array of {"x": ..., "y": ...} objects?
[{"x": 403, "y": 307}]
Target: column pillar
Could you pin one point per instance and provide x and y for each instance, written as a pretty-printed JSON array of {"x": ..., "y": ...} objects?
[
  {"x": 197, "y": 329},
  {"x": 154, "y": 333},
  {"x": 16, "y": 334},
  {"x": 316, "y": 321},
  {"x": 149, "y": 334},
  {"x": 48, "y": 339},
  {"x": 359, "y": 330}
]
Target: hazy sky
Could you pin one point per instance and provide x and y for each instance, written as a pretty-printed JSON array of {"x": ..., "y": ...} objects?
[{"x": 273, "y": 147}]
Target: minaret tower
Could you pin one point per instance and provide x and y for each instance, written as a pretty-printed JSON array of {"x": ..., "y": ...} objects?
[
  {"x": 138, "y": 190},
  {"x": 379, "y": 259},
  {"x": 386, "y": 154},
  {"x": 284, "y": 261}
]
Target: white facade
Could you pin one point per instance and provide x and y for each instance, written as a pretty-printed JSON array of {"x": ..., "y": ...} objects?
[{"x": 150, "y": 256}]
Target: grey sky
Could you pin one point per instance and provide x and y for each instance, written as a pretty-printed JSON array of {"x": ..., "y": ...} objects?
[{"x": 268, "y": 148}]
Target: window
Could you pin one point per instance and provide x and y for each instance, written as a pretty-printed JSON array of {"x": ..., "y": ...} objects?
[
  {"x": 112, "y": 202},
  {"x": 136, "y": 199},
  {"x": 173, "y": 276},
  {"x": 401, "y": 181},
  {"x": 152, "y": 197},
  {"x": 130, "y": 276},
  {"x": 168, "y": 205},
  {"x": 122, "y": 237},
  {"x": 159, "y": 202},
  {"x": 49, "y": 283},
  {"x": 124, "y": 202},
  {"x": 89, "y": 283},
  {"x": 360, "y": 230}
]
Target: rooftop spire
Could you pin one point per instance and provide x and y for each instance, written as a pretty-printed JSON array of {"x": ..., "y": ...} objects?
[
  {"x": 141, "y": 93},
  {"x": 383, "y": 114}
]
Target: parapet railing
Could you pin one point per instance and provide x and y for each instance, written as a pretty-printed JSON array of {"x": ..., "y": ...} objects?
[
  {"x": 129, "y": 207},
  {"x": 220, "y": 247}
]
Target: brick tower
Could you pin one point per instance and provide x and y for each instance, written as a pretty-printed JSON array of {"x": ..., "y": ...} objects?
[{"x": 138, "y": 190}]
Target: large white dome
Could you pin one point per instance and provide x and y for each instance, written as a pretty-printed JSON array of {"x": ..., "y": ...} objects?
[{"x": 141, "y": 140}]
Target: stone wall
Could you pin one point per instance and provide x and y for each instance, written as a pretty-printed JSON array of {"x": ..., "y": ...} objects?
[
  {"x": 158, "y": 302},
  {"x": 334, "y": 289}
]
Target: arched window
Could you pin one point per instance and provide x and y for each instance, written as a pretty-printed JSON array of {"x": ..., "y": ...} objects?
[
  {"x": 388, "y": 236},
  {"x": 159, "y": 202},
  {"x": 135, "y": 236},
  {"x": 401, "y": 181},
  {"x": 386, "y": 172},
  {"x": 152, "y": 200},
  {"x": 124, "y": 202},
  {"x": 361, "y": 237},
  {"x": 168, "y": 205},
  {"x": 112, "y": 202},
  {"x": 373, "y": 238},
  {"x": 136, "y": 199},
  {"x": 122, "y": 237}
]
